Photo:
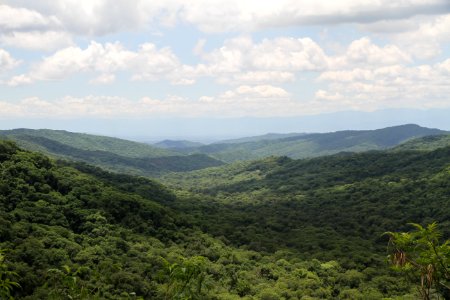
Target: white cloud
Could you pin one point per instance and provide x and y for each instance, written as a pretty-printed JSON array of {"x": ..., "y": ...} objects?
[
  {"x": 422, "y": 37},
  {"x": 364, "y": 53},
  {"x": 256, "y": 77},
  {"x": 238, "y": 61},
  {"x": 426, "y": 42},
  {"x": 26, "y": 28},
  {"x": 422, "y": 86},
  {"x": 19, "y": 80},
  {"x": 101, "y": 17},
  {"x": 262, "y": 100},
  {"x": 324, "y": 95},
  {"x": 283, "y": 53},
  {"x": 36, "y": 40},
  {"x": 96, "y": 57},
  {"x": 18, "y": 18},
  {"x": 7, "y": 62},
  {"x": 241, "y": 60},
  {"x": 220, "y": 16},
  {"x": 147, "y": 63},
  {"x": 103, "y": 79}
]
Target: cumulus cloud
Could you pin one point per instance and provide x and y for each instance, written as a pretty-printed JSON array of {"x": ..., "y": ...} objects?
[
  {"x": 104, "y": 60},
  {"x": 422, "y": 86},
  {"x": 219, "y": 16},
  {"x": 364, "y": 53},
  {"x": 19, "y": 80},
  {"x": 241, "y": 60},
  {"x": 103, "y": 79},
  {"x": 7, "y": 62},
  {"x": 21, "y": 18},
  {"x": 260, "y": 100},
  {"x": 26, "y": 28},
  {"x": 100, "y": 17},
  {"x": 422, "y": 36},
  {"x": 36, "y": 40},
  {"x": 238, "y": 61}
]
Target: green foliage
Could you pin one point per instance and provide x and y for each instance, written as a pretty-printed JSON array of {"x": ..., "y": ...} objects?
[
  {"x": 7, "y": 278},
  {"x": 184, "y": 280},
  {"x": 67, "y": 284},
  {"x": 250, "y": 230},
  {"x": 423, "y": 258},
  {"x": 334, "y": 207}
]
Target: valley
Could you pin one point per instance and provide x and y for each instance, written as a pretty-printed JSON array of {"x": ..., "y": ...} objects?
[{"x": 271, "y": 228}]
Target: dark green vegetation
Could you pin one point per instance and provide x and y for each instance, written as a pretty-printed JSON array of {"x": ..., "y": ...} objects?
[
  {"x": 110, "y": 153},
  {"x": 328, "y": 207},
  {"x": 77, "y": 232},
  {"x": 426, "y": 143},
  {"x": 275, "y": 228},
  {"x": 313, "y": 145}
]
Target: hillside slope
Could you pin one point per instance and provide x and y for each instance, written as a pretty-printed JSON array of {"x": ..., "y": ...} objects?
[
  {"x": 77, "y": 232},
  {"x": 85, "y": 141},
  {"x": 110, "y": 153},
  {"x": 318, "y": 144},
  {"x": 427, "y": 143},
  {"x": 329, "y": 207}
]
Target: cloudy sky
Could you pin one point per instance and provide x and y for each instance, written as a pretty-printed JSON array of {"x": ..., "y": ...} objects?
[{"x": 115, "y": 59}]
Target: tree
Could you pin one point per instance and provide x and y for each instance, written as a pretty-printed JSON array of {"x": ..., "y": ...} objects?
[
  {"x": 421, "y": 256},
  {"x": 7, "y": 283}
]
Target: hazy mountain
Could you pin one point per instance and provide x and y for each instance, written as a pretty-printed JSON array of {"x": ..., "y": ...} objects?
[
  {"x": 317, "y": 144},
  {"x": 214, "y": 129},
  {"x": 264, "y": 137},
  {"x": 177, "y": 144},
  {"x": 87, "y": 142},
  {"x": 110, "y": 153}
]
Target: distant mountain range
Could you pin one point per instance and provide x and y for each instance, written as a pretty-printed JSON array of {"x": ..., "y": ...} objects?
[
  {"x": 314, "y": 144},
  {"x": 110, "y": 153},
  {"x": 175, "y": 144},
  {"x": 180, "y": 156}
]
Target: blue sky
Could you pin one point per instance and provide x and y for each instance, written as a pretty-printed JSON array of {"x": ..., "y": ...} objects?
[{"x": 163, "y": 63}]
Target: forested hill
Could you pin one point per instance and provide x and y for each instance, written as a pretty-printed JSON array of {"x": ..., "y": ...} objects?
[
  {"x": 318, "y": 144},
  {"x": 426, "y": 143},
  {"x": 329, "y": 207},
  {"x": 110, "y": 153},
  {"x": 84, "y": 141},
  {"x": 72, "y": 231}
]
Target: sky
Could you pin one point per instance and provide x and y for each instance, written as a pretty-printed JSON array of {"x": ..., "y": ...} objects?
[{"x": 196, "y": 68}]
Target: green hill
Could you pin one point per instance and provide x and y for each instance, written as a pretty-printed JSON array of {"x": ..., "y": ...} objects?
[
  {"x": 427, "y": 143},
  {"x": 73, "y": 231},
  {"x": 110, "y": 153},
  {"x": 318, "y": 144},
  {"x": 329, "y": 207},
  {"x": 87, "y": 142}
]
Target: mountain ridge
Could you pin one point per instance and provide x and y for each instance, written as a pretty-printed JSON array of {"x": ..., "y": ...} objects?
[{"x": 317, "y": 144}]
